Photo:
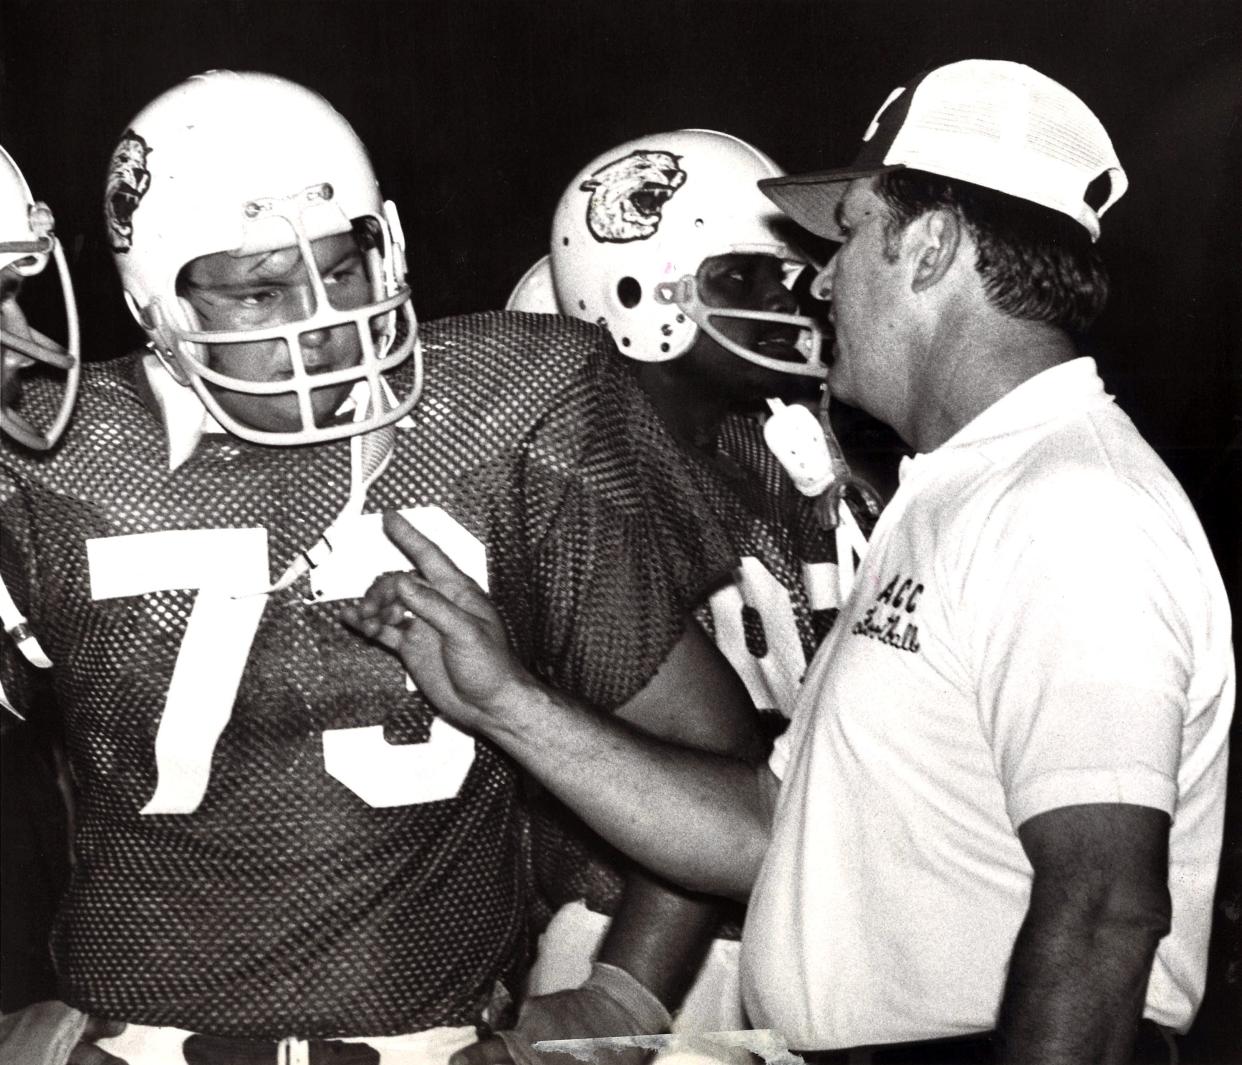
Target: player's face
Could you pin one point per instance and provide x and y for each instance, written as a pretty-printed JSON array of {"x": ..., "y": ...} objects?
[
  {"x": 756, "y": 282},
  {"x": 249, "y": 292}
]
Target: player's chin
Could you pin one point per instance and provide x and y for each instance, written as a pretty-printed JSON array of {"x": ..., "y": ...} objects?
[
  {"x": 793, "y": 387},
  {"x": 281, "y": 413},
  {"x": 327, "y": 402},
  {"x": 785, "y": 384}
]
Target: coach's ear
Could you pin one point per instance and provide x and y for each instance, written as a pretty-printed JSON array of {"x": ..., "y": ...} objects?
[{"x": 933, "y": 241}]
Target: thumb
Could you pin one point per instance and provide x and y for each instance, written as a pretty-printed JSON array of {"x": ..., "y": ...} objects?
[
  {"x": 490, "y": 1051},
  {"x": 87, "y": 1053},
  {"x": 101, "y": 1028}
]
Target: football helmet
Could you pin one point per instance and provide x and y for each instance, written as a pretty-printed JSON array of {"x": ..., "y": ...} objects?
[
  {"x": 27, "y": 243},
  {"x": 535, "y": 293},
  {"x": 249, "y": 163},
  {"x": 633, "y": 226}
]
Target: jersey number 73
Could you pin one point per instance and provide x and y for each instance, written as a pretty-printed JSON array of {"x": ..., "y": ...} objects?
[{"x": 228, "y": 568}]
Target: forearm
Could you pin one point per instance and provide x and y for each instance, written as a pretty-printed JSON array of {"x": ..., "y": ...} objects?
[
  {"x": 660, "y": 935},
  {"x": 1076, "y": 986},
  {"x": 698, "y": 818}
]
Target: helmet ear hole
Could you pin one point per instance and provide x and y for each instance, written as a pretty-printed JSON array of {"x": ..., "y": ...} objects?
[{"x": 629, "y": 292}]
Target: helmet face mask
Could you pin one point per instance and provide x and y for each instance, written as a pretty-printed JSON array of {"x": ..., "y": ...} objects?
[
  {"x": 27, "y": 244},
  {"x": 273, "y": 353},
  {"x": 634, "y": 226},
  {"x": 685, "y": 295},
  {"x": 271, "y": 345}
]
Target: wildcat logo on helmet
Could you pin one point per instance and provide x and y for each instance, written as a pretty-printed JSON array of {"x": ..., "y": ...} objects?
[
  {"x": 128, "y": 181},
  {"x": 628, "y": 195}
]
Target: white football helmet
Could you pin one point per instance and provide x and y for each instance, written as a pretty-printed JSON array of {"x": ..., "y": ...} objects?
[
  {"x": 635, "y": 223},
  {"x": 27, "y": 242},
  {"x": 249, "y": 163},
  {"x": 535, "y": 293}
]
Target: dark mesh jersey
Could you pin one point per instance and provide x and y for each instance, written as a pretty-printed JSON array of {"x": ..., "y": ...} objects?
[
  {"x": 765, "y": 619},
  {"x": 286, "y": 903},
  {"x": 787, "y": 581}
]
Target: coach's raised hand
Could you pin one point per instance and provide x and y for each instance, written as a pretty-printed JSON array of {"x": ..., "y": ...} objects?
[{"x": 446, "y": 632}]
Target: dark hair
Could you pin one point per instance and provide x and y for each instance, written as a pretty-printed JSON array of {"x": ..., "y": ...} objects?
[{"x": 1036, "y": 263}]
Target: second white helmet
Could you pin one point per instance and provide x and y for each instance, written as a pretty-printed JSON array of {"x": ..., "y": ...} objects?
[
  {"x": 633, "y": 226},
  {"x": 27, "y": 243}
]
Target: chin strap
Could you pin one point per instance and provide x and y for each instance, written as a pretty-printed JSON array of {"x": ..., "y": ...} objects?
[
  {"x": 812, "y": 456},
  {"x": 369, "y": 456},
  {"x": 843, "y": 478}
]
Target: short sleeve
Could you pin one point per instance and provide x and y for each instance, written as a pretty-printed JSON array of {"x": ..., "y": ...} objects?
[
  {"x": 628, "y": 544},
  {"x": 1081, "y": 645}
]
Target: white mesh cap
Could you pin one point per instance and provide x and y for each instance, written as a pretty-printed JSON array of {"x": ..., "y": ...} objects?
[{"x": 994, "y": 123}]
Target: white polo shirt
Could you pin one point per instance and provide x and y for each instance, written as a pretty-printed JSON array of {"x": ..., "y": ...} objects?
[{"x": 1038, "y": 623}]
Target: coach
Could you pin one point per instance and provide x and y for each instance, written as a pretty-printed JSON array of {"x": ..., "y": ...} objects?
[{"x": 998, "y": 816}]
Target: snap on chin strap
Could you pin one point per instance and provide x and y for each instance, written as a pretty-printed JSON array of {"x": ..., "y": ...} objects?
[
  {"x": 809, "y": 451},
  {"x": 369, "y": 456}
]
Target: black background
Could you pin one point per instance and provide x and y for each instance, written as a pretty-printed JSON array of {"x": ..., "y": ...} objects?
[{"x": 476, "y": 114}]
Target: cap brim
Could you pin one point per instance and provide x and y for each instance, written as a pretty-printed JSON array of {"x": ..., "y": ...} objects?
[{"x": 811, "y": 199}]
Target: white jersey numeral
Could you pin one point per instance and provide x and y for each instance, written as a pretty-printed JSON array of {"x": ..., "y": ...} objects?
[
  {"x": 773, "y": 680},
  {"x": 220, "y": 564},
  {"x": 226, "y": 567}
]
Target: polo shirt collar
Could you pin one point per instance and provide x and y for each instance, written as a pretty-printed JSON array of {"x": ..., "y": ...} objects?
[{"x": 1069, "y": 388}]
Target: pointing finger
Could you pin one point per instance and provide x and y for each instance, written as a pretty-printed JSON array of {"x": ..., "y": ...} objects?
[{"x": 426, "y": 555}]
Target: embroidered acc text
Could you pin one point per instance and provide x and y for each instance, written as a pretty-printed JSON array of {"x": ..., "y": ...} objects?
[{"x": 889, "y": 619}]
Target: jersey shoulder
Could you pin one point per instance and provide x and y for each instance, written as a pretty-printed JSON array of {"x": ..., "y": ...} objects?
[
  {"x": 526, "y": 352},
  {"x": 113, "y": 431},
  {"x": 554, "y": 389}
]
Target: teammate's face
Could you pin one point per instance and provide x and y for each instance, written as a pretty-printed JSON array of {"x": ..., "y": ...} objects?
[
  {"x": 755, "y": 282},
  {"x": 250, "y": 292}
]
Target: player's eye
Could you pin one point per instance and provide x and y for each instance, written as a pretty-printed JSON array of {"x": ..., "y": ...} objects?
[
  {"x": 262, "y": 297},
  {"x": 734, "y": 276},
  {"x": 347, "y": 284},
  {"x": 341, "y": 276},
  {"x": 345, "y": 273}
]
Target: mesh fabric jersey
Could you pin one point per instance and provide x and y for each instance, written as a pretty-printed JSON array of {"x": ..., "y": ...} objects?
[
  {"x": 285, "y": 903},
  {"x": 772, "y": 525}
]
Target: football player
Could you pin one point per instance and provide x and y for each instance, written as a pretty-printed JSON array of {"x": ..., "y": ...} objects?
[
  {"x": 35, "y": 858},
  {"x": 667, "y": 242},
  {"x": 282, "y": 851}
]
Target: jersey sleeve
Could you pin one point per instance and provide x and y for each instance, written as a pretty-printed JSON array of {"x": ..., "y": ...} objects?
[
  {"x": 1082, "y": 645},
  {"x": 623, "y": 543}
]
